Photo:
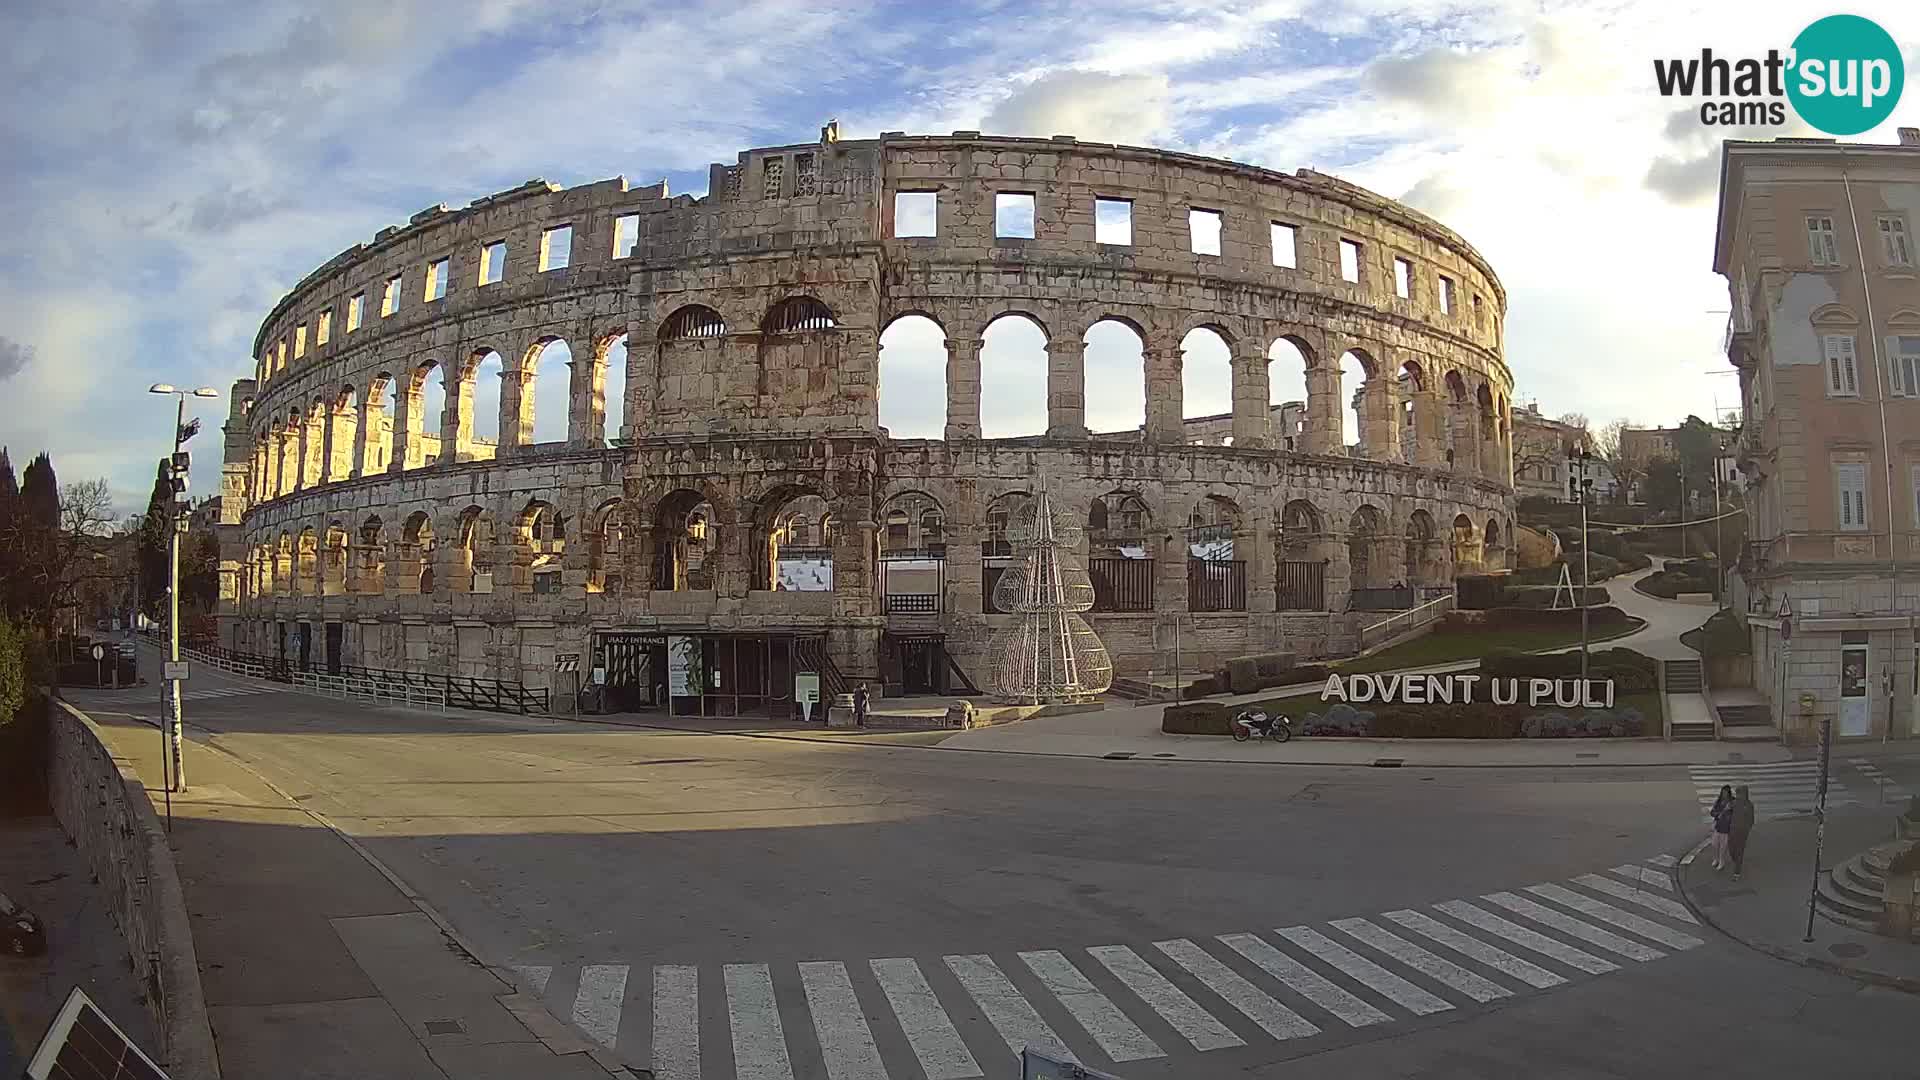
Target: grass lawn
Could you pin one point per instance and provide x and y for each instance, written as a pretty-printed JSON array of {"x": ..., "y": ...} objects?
[{"x": 1437, "y": 648}]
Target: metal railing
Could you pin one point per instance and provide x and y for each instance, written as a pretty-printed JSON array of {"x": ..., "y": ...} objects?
[
  {"x": 1301, "y": 586},
  {"x": 1412, "y": 619}
]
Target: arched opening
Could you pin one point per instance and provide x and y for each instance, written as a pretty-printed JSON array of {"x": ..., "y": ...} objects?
[
  {"x": 376, "y": 429},
  {"x": 333, "y": 565},
  {"x": 610, "y": 389},
  {"x": 996, "y": 546},
  {"x": 370, "y": 569},
  {"x": 1355, "y": 368},
  {"x": 547, "y": 391},
  {"x": 1493, "y": 554},
  {"x": 913, "y": 378},
  {"x": 1412, "y": 381},
  {"x": 797, "y": 557},
  {"x": 1287, "y": 361},
  {"x": 474, "y": 542},
  {"x": 797, "y": 315},
  {"x": 540, "y": 542},
  {"x": 685, "y": 539},
  {"x": 1365, "y": 567},
  {"x": 1459, "y": 426},
  {"x": 307, "y": 569},
  {"x": 427, "y": 401},
  {"x": 416, "y": 560},
  {"x": 1013, "y": 378},
  {"x": 314, "y": 444},
  {"x": 693, "y": 321},
  {"x": 913, "y": 554},
  {"x": 1206, "y": 382},
  {"x": 1216, "y": 578},
  {"x": 1421, "y": 534},
  {"x": 486, "y": 376},
  {"x": 1466, "y": 546},
  {"x": 604, "y": 530},
  {"x": 1487, "y": 430},
  {"x": 283, "y": 565},
  {"x": 1120, "y": 559},
  {"x": 343, "y": 426},
  {"x": 1300, "y": 564},
  {"x": 1115, "y": 373}
]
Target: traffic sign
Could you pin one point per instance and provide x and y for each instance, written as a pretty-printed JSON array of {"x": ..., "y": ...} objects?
[
  {"x": 566, "y": 661},
  {"x": 99, "y": 651},
  {"x": 173, "y": 669}
]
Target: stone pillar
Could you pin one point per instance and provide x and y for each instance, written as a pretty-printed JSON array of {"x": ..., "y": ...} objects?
[
  {"x": 1339, "y": 580},
  {"x": 313, "y": 452},
  {"x": 1429, "y": 430},
  {"x": 963, "y": 388},
  {"x": 1166, "y": 408},
  {"x": 1251, "y": 425},
  {"x": 1067, "y": 388},
  {"x": 853, "y": 565},
  {"x": 1380, "y": 419},
  {"x": 343, "y": 425},
  {"x": 1321, "y": 433},
  {"x": 407, "y": 453},
  {"x": 1170, "y": 556},
  {"x": 1464, "y": 438},
  {"x": 289, "y": 461},
  {"x": 456, "y": 424},
  {"x": 640, "y": 385},
  {"x": 586, "y": 408},
  {"x": 1255, "y": 545},
  {"x": 516, "y": 414}
]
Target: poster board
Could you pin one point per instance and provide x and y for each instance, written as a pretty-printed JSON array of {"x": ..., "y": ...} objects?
[
  {"x": 683, "y": 666},
  {"x": 806, "y": 693}
]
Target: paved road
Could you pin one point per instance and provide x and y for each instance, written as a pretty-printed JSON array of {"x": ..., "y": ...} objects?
[{"x": 721, "y": 906}]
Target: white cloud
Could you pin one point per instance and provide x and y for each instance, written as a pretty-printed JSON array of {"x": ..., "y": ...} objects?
[{"x": 1086, "y": 104}]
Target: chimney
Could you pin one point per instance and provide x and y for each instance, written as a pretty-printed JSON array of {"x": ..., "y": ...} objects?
[{"x": 1910, "y": 136}]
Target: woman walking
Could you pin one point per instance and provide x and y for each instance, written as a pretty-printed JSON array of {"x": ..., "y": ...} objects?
[{"x": 1722, "y": 814}]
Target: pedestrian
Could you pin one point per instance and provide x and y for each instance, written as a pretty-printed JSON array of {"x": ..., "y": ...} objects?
[
  {"x": 860, "y": 705},
  {"x": 1741, "y": 829},
  {"x": 1722, "y": 815}
]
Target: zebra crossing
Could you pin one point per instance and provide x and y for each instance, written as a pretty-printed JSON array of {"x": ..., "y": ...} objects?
[
  {"x": 230, "y": 691},
  {"x": 1888, "y": 790},
  {"x": 968, "y": 1015},
  {"x": 1780, "y": 789}
]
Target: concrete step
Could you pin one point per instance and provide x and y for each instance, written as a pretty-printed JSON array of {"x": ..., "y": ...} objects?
[
  {"x": 1833, "y": 900},
  {"x": 1745, "y": 716},
  {"x": 1850, "y": 881},
  {"x": 1683, "y": 676},
  {"x": 1692, "y": 732},
  {"x": 1768, "y": 733}
]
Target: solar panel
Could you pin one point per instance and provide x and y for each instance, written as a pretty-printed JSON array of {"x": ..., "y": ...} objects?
[{"x": 82, "y": 1044}]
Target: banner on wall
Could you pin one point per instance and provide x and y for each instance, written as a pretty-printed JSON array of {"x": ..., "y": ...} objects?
[{"x": 683, "y": 666}]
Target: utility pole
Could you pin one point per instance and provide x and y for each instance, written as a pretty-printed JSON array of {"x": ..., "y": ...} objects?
[
  {"x": 1580, "y": 483},
  {"x": 179, "y": 523}
]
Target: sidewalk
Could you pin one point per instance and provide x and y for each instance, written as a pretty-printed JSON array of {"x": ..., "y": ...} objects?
[
  {"x": 315, "y": 963},
  {"x": 1767, "y": 908}
]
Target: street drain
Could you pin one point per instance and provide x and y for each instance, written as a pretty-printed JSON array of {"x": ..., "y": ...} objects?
[
  {"x": 1118, "y": 755},
  {"x": 1387, "y": 762},
  {"x": 1587, "y": 754},
  {"x": 1163, "y": 754},
  {"x": 445, "y": 1027},
  {"x": 1847, "y": 950}
]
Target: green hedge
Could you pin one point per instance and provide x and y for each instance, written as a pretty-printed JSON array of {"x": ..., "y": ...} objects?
[
  {"x": 1599, "y": 619},
  {"x": 1632, "y": 672},
  {"x": 1197, "y": 718},
  {"x": 1725, "y": 634},
  {"x": 1669, "y": 584},
  {"x": 1476, "y": 721},
  {"x": 1542, "y": 596},
  {"x": 13, "y": 671}
]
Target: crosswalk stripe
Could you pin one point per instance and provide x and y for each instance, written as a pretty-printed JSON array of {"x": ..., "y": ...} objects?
[
  {"x": 1625, "y": 920},
  {"x": 1656, "y": 878},
  {"x": 1009, "y": 1013},
  {"x": 676, "y": 1022},
  {"x": 1466, "y": 945},
  {"x": 1569, "y": 925},
  {"x": 759, "y": 1042},
  {"x": 1422, "y": 961},
  {"x": 942, "y": 1053},
  {"x": 596, "y": 1008},
  {"x": 1304, "y": 981},
  {"x": 536, "y": 976},
  {"x": 846, "y": 1043},
  {"x": 1119, "y": 1038},
  {"x": 1181, "y": 1012},
  {"x": 1274, "y": 1018},
  {"x": 1365, "y": 972},
  {"x": 1635, "y": 895},
  {"x": 1663, "y": 859},
  {"x": 1525, "y": 938}
]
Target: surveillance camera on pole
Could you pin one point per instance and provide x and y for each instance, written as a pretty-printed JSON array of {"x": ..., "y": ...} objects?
[{"x": 178, "y": 465}]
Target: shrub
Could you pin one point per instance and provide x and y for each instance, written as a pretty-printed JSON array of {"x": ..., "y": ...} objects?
[
  {"x": 1542, "y": 596},
  {"x": 1601, "y": 619},
  {"x": 1265, "y": 675},
  {"x": 1725, "y": 634},
  {"x": 1197, "y": 718},
  {"x": 13, "y": 671},
  {"x": 1477, "y": 721},
  {"x": 1631, "y": 672}
]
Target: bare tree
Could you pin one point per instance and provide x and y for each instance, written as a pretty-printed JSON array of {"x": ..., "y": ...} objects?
[{"x": 1628, "y": 459}]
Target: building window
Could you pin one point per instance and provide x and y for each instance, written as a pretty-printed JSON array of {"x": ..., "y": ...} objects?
[
  {"x": 1446, "y": 295},
  {"x": 280, "y": 363},
  {"x": 1906, "y": 366},
  {"x": 1349, "y": 261},
  {"x": 323, "y": 330},
  {"x": 1113, "y": 221},
  {"x": 1843, "y": 373},
  {"x": 1821, "y": 245},
  {"x": 300, "y": 341},
  {"x": 626, "y": 233},
  {"x": 1403, "y": 278},
  {"x": 772, "y": 177},
  {"x": 390, "y": 299},
  {"x": 1013, "y": 215},
  {"x": 804, "y": 176},
  {"x": 1893, "y": 242},
  {"x": 1916, "y": 515},
  {"x": 493, "y": 267},
  {"x": 556, "y": 248},
  {"x": 1203, "y": 229},
  {"x": 1285, "y": 238},
  {"x": 1850, "y": 481},
  {"x": 356, "y": 309},
  {"x": 437, "y": 277},
  {"x": 1479, "y": 312},
  {"x": 915, "y": 213}
]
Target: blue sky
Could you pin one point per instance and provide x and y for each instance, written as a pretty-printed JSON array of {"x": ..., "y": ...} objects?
[{"x": 171, "y": 170}]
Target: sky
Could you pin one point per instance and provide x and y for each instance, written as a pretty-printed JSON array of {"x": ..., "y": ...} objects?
[{"x": 171, "y": 170}]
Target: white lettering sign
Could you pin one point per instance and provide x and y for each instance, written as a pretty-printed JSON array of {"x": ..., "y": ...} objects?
[{"x": 1398, "y": 689}]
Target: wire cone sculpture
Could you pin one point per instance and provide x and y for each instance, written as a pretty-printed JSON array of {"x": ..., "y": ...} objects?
[{"x": 1050, "y": 654}]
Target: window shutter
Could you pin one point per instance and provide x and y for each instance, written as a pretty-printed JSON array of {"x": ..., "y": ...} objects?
[
  {"x": 1848, "y": 366},
  {"x": 1851, "y": 480}
]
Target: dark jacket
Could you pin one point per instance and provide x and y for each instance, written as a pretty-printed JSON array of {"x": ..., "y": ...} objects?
[
  {"x": 1722, "y": 817},
  {"x": 1742, "y": 814}
]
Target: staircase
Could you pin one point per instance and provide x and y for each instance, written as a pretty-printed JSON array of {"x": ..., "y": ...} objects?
[
  {"x": 1851, "y": 894},
  {"x": 1683, "y": 677},
  {"x": 1747, "y": 723}
]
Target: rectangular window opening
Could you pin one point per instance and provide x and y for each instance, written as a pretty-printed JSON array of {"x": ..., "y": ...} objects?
[
  {"x": 323, "y": 330},
  {"x": 493, "y": 265},
  {"x": 626, "y": 233},
  {"x": 1349, "y": 261},
  {"x": 437, "y": 276},
  {"x": 1893, "y": 242},
  {"x": 915, "y": 213},
  {"x": 300, "y": 341},
  {"x": 1479, "y": 312},
  {"x": 1013, "y": 214},
  {"x": 1446, "y": 295},
  {"x": 1906, "y": 366},
  {"x": 1403, "y": 278},
  {"x": 1113, "y": 221},
  {"x": 1843, "y": 373},
  {"x": 356, "y": 310},
  {"x": 1286, "y": 238},
  {"x": 1850, "y": 482},
  {"x": 1822, "y": 247},
  {"x": 390, "y": 299},
  {"x": 556, "y": 248},
  {"x": 1203, "y": 227}
]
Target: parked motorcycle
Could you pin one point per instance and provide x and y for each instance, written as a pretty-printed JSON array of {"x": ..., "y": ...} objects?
[{"x": 1259, "y": 724}]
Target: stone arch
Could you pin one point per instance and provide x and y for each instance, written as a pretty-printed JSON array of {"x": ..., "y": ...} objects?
[
  {"x": 1206, "y": 374},
  {"x": 604, "y": 530},
  {"x": 787, "y": 559},
  {"x": 801, "y": 314},
  {"x": 685, "y": 538},
  {"x": 1493, "y": 547},
  {"x": 284, "y": 566},
  {"x": 535, "y": 403},
  {"x": 417, "y": 552},
  {"x": 1114, "y": 375},
  {"x": 376, "y": 426},
  {"x": 692, "y": 321},
  {"x": 370, "y": 548},
  {"x": 481, "y": 381},
  {"x": 539, "y": 545},
  {"x": 313, "y": 443},
  {"x": 1290, "y": 395},
  {"x": 474, "y": 544},
  {"x": 343, "y": 424},
  {"x": 1421, "y": 555},
  {"x": 425, "y": 396},
  {"x": 1366, "y": 530},
  {"x": 913, "y": 360},
  {"x": 606, "y": 391},
  {"x": 307, "y": 563},
  {"x": 333, "y": 562},
  {"x": 904, "y": 519},
  {"x": 1013, "y": 375}
]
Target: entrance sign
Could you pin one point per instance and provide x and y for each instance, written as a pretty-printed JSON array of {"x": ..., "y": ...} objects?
[
  {"x": 1465, "y": 689},
  {"x": 806, "y": 693},
  {"x": 173, "y": 669},
  {"x": 683, "y": 667}
]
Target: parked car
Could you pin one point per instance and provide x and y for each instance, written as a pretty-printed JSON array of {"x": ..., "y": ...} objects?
[{"x": 20, "y": 930}]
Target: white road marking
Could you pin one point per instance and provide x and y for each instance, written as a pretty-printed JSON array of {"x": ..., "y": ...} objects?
[
  {"x": 1305, "y": 981},
  {"x": 1182, "y": 1013},
  {"x": 1422, "y": 961},
  {"x": 1525, "y": 938},
  {"x": 759, "y": 1042},
  {"x": 1634, "y": 895},
  {"x": 1659, "y": 879},
  {"x": 846, "y": 1043},
  {"x": 1119, "y": 1038},
  {"x": 1607, "y": 913},
  {"x": 1006, "y": 1010},
  {"x": 942, "y": 1053},
  {"x": 1573, "y": 927},
  {"x": 596, "y": 1008},
  {"x": 1366, "y": 972},
  {"x": 1467, "y": 945},
  {"x": 1662, "y": 859},
  {"x": 536, "y": 976},
  {"x": 676, "y": 1022},
  {"x": 1274, "y": 1018}
]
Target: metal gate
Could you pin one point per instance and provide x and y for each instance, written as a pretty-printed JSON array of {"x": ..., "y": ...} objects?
[{"x": 631, "y": 674}]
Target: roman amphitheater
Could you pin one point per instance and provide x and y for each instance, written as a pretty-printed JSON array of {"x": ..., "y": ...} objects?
[{"x": 750, "y": 497}]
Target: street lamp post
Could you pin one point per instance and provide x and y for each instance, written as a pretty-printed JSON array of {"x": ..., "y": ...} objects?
[
  {"x": 1579, "y": 461},
  {"x": 177, "y": 470}
]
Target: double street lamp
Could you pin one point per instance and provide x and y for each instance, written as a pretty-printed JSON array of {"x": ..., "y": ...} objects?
[
  {"x": 1580, "y": 489},
  {"x": 177, "y": 464}
]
